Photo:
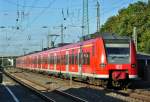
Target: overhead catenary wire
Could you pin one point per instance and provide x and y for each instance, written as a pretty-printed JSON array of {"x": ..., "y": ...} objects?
[
  {"x": 41, "y": 13},
  {"x": 29, "y": 11},
  {"x": 115, "y": 7},
  {"x": 68, "y": 9},
  {"x": 28, "y": 6},
  {"x": 104, "y": 12},
  {"x": 23, "y": 10}
]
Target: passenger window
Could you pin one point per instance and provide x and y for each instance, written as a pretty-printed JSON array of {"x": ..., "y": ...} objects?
[
  {"x": 67, "y": 59},
  {"x": 72, "y": 59},
  {"x": 80, "y": 58},
  {"x": 76, "y": 59},
  {"x": 86, "y": 58}
]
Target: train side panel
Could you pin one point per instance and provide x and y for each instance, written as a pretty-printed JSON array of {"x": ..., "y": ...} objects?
[{"x": 87, "y": 59}]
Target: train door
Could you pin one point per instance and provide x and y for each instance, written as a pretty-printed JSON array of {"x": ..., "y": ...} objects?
[
  {"x": 48, "y": 62},
  {"x": 40, "y": 62},
  {"x": 30, "y": 64},
  {"x": 80, "y": 61},
  {"x": 36, "y": 62},
  {"x": 75, "y": 61},
  {"x": 67, "y": 62},
  {"x": 55, "y": 61},
  {"x": 63, "y": 66}
]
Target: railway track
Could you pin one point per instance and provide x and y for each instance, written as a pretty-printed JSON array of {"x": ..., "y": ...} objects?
[
  {"x": 44, "y": 92},
  {"x": 140, "y": 95}
]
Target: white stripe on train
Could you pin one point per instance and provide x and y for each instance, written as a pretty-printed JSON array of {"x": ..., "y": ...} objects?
[{"x": 83, "y": 74}]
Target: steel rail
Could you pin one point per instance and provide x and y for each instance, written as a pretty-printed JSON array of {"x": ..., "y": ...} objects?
[
  {"x": 44, "y": 97},
  {"x": 72, "y": 97}
]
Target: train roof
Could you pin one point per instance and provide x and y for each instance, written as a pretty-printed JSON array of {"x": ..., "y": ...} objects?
[
  {"x": 113, "y": 36},
  {"x": 62, "y": 47},
  {"x": 108, "y": 37}
]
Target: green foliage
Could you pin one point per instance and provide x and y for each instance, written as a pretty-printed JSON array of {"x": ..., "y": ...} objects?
[
  {"x": 147, "y": 48},
  {"x": 135, "y": 15}
]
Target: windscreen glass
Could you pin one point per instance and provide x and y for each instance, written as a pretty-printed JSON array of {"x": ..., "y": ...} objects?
[{"x": 117, "y": 53}]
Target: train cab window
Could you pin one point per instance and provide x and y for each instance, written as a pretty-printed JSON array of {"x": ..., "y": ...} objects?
[{"x": 117, "y": 53}]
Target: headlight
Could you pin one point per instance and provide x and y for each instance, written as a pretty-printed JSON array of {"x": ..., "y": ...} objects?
[
  {"x": 133, "y": 65},
  {"x": 102, "y": 65}
]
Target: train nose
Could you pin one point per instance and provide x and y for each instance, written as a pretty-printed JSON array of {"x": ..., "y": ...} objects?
[{"x": 119, "y": 75}]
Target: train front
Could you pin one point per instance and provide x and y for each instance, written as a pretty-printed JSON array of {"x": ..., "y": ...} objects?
[{"x": 121, "y": 63}]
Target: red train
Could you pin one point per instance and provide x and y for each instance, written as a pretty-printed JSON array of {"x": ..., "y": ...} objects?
[{"x": 108, "y": 57}]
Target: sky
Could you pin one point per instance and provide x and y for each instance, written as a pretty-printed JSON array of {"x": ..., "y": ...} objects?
[{"x": 38, "y": 18}]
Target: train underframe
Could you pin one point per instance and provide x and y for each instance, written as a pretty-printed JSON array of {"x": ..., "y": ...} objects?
[
  {"x": 118, "y": 81},
  {"x": 110, "y": 83},
  {"x": 121, "y": 80}
]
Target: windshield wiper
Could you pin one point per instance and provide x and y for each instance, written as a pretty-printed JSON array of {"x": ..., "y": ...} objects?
[{"x": 118, "y": 57}]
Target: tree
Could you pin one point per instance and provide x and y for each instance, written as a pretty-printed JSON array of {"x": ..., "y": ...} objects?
[{"x": 135, "y": 15}]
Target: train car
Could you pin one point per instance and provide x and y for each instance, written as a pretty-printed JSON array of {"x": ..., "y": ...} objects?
[
  {"x": 108, "y": 59},
  {"x": 143, "y": 61}
]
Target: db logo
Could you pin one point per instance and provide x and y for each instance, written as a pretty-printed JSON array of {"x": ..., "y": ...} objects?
[{"x": 118, "y": 66}]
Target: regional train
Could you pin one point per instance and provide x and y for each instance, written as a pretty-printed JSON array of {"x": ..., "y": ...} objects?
[{"x": 107, "y": 59}]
